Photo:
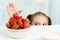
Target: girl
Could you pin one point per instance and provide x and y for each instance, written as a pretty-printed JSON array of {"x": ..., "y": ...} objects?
[{"x": 39, "y": 18}]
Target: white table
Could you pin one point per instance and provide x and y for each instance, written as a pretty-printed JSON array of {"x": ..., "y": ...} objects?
[{"x": 36, "y": 33}]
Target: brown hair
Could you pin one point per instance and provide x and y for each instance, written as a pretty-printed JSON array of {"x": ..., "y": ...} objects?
[
  {"x": 40, "y": 13},
  {"x": 49, "y": 21},
  {"x": 29, "y": 17}
]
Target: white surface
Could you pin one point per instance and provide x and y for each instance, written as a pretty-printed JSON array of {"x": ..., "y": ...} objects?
[{"x": 35, "y": 33}]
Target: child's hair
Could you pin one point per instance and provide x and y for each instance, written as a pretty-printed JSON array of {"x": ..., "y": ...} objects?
[
  {"x": 29, "y": 17},
  {"x": 49, "y": 21},
  {"x": 40, "y": 13}
]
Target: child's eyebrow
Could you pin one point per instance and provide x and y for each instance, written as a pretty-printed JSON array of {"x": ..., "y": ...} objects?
[{"x": 37, "y": 23}]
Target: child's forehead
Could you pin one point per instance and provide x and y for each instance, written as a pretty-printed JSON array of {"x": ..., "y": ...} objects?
[{"x": 40, "y": 15}]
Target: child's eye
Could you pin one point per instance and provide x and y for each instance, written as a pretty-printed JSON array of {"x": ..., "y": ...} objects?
[
  {"x": 37, "y": 24},
  {"x": 44, "y": 24}
]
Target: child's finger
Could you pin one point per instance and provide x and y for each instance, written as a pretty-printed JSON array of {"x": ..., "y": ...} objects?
[
  {"x": 12, "y": 4},
  {"x": 9, "y": 11},
  {"x": 9, "y": 4},
  {"x": 12, "y": 7},
  {"x": 19, "y": 11}
]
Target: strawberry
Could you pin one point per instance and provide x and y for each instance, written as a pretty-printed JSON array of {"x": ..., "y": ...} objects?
[
  {"x": 8, "y": 25},
  {"x": 26, "y": 23},
  {"x": 17, "y": 22},
  {"x": 20, "y": 22},
  {"x": 13, "y": 20},
  {"x": 16, "y": 16},
  {"x": 20, "y": 17},
  {"x": 27, "y": 20},
  {"x": 26, "y": 26},
  {"x": 15, "y": 26}
]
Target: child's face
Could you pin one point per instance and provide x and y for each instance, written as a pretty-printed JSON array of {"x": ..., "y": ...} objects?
[{"x": 40, "y": 20}]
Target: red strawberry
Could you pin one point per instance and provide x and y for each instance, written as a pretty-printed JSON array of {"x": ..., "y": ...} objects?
[
  {"x": 20, "y": 17},
  {"x": 8, "y": 25},
  {"x": 20, "y": 22},
  {"x": 26, "y": 25},
  {"x": 27, "y": 20},
  {"x": 13, "y": 20},
  {"x": 15, "y": 26},
  {"x": 16, "y": 16}
]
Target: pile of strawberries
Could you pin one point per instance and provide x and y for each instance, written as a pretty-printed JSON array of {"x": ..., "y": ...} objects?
[{"x": 17, "y": 22}]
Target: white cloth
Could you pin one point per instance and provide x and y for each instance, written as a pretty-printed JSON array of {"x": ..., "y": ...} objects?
[{"x": 36, "y": 33}]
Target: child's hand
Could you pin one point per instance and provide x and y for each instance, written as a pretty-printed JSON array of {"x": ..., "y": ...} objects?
[{"x": 11, "y": 9}]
